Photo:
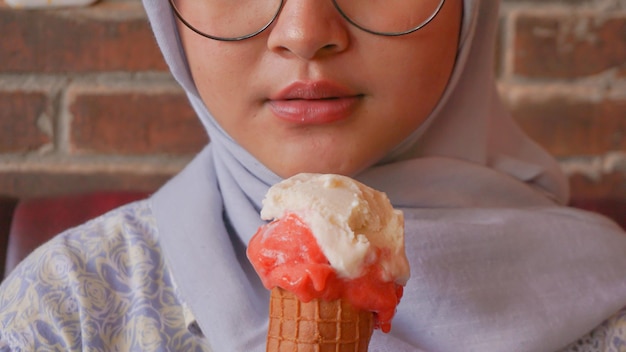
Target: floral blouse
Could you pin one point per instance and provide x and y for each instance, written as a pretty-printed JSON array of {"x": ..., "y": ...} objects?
[{"x": 104, "y": 286}]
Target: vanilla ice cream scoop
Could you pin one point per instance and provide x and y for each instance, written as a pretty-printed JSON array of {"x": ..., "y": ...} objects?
[{"x": 354, "y": 225}]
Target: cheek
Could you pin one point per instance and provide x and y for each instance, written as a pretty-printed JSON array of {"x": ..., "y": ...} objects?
[
  {"x": 223, "y": 84},
  {"x": 422, "y": 63},
  {"x": 214, "y": 75},
  {"x": 417, "y": 81},
  {"x": 218, "y": 68},
  {"x": 412, "y": 89}
]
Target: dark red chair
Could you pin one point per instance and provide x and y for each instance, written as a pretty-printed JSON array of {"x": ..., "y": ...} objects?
[
  {"x": 7, "y": 207},
  {"x": 36, "y": 220},
  {"x": 612, "y": 208}
]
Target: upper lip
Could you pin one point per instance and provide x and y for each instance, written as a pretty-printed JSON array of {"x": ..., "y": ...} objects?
[{"x": 313, "y": 90}]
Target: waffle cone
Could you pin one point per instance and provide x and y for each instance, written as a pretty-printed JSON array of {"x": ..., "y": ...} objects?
[{"x": 316, "y": 326}]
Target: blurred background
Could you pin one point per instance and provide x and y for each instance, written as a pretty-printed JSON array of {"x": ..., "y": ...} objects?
[{"x": 87, "y": 103}]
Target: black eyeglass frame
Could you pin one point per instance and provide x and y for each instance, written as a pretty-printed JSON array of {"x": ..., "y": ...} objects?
[{"x": 282, "y": 2}]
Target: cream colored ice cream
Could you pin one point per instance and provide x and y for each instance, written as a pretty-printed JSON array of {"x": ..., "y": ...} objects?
[
  {"x": 333, "y": 257},
  {"x": 352, "y": 223}
]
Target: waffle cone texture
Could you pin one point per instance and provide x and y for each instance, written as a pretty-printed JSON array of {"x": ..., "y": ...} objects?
[{"x": 316, "y": 326}]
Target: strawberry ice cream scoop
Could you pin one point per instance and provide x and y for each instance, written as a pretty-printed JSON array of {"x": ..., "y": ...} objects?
[{"x": 332, "y": 237}]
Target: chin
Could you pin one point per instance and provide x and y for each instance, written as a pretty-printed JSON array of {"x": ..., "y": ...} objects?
[
  {"x": 339, "y": 168},
  {"x": 326, "y": 159}
]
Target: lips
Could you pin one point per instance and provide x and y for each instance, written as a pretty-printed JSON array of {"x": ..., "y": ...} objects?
[{"x": 318, "y": 102}]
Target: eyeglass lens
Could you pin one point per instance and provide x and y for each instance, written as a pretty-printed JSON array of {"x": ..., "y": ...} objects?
[{"x": 235, "y": 20}]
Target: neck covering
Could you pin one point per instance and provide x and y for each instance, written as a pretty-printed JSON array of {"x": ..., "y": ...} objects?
[{"x": 497, "y": 264}]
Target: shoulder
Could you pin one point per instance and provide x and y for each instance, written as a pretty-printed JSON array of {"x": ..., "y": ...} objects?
[
  {"x": 103, "y": 283},
  {"x": 117, "y": 240}
]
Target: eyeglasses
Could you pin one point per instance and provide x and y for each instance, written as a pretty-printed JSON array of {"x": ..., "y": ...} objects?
[{"x": 230, "y": 20}]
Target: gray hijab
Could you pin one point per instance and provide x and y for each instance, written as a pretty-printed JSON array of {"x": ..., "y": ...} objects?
[{"x": 498, "y": 264}]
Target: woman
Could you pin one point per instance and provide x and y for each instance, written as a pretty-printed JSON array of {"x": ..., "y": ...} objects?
[{"x": 407, "y": 105}]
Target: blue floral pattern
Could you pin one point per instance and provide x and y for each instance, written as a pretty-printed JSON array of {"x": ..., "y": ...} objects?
[
  {"x": 102, "y": 286},
  {"x": 608, "y": 337}
]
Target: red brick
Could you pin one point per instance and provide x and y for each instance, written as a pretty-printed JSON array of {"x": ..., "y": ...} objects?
[
  {"x": 608, "y": 186},
  {"x": 19, "y": 113},
  {"x": 568, "y": 46},
  {"x": 108, "y": 36},
  {"x": 41, "y": 183},
  {"x": 569, "y": 127},
  {"x": 135, "y": 122}
]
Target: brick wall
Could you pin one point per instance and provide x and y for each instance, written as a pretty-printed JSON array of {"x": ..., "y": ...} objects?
[
  {"x": 562, "y": 72},
  {"x": 86, "y": 101}
]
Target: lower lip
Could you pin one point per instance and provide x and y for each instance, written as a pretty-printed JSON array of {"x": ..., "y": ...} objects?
[{"x": 322, "y": 111}]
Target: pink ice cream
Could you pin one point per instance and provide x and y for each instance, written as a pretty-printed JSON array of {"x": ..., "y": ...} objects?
[{"x": 332, "y": 237}]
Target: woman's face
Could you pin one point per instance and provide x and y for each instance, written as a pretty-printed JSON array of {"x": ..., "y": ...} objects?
[{"x": 315, "y": 94}]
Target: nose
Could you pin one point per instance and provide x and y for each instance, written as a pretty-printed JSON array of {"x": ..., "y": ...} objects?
[{"x": 308, "y": 29}]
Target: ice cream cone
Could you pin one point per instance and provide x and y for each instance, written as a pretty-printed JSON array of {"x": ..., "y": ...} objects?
[{"x": 318, "y": 325}]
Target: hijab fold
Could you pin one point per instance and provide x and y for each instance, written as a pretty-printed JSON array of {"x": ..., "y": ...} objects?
[{"x": 497, "y": 264}]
